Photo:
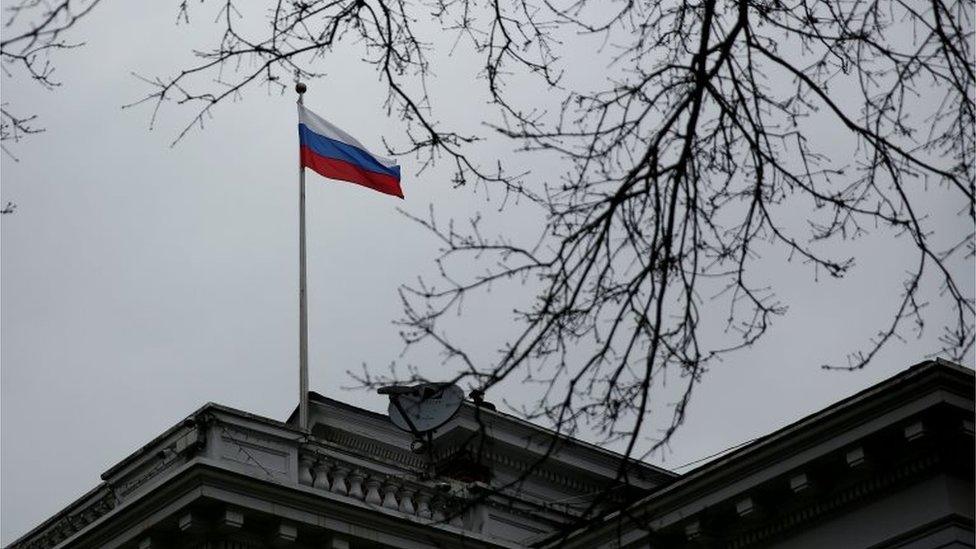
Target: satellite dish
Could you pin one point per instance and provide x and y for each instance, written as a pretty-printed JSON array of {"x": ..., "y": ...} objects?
[{"x": 424, "y": 407}]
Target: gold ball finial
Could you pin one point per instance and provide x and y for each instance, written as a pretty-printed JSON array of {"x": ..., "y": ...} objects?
[{"x": 300, "y": 87}]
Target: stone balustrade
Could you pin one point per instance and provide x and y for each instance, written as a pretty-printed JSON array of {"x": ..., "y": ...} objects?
[{"x": 382, "y": 490}]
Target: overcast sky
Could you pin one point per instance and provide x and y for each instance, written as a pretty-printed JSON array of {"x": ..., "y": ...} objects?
[{"x": 141, "y": 281}]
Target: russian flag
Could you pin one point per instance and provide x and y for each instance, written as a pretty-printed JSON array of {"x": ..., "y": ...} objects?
[{"x": 335, "y": 154}]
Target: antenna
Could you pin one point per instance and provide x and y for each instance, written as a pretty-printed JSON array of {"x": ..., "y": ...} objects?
[{"x": 420, "y": 409}]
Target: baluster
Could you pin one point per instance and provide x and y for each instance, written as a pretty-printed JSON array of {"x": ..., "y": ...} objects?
[
  {"x": 373, "y": 490},
  {"x": 321, "y": 470},
  {"x": 305, "y": 469},
  {"x": 389, "y": 494},
  {"x": 438, "y": 506},
  {"x": 453, "y": 509},
  {"x": 356, "y": 484},
  {"x": 339, "y": 480},
  {"x": 406, "y": 500},
  {"x": 423, "y": 505}
]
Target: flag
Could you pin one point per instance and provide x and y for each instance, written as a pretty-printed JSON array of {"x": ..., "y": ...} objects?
[{"x": 335, "y": 154}]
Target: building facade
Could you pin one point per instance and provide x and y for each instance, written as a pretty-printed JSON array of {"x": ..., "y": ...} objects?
[{"x": 891, "y": 466}]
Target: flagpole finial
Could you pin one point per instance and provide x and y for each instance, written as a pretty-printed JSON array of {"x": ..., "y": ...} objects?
[{"x": 300, "y": 87}]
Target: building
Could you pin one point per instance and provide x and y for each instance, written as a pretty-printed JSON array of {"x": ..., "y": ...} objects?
[{"x": 891, "y": 466}]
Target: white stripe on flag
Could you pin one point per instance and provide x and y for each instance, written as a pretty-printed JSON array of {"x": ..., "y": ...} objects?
[{"x": 324, "y": 128}]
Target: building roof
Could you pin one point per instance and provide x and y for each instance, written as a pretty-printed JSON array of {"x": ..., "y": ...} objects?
[
  {"x": 216, "y": 447},
  {"x": 832, "y": 429}
]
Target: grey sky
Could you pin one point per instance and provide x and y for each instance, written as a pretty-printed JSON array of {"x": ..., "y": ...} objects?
[{"x": 140, "y": 281}]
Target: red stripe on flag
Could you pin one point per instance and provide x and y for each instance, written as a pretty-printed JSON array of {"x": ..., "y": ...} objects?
[{"x": 345, "y": 171}]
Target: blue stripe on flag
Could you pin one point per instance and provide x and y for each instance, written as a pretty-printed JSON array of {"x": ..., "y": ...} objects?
[{"x": 330, "y": 148}]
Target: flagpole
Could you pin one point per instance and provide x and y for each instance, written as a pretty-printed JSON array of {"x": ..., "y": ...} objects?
[{"x": 302, "y": 300}]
